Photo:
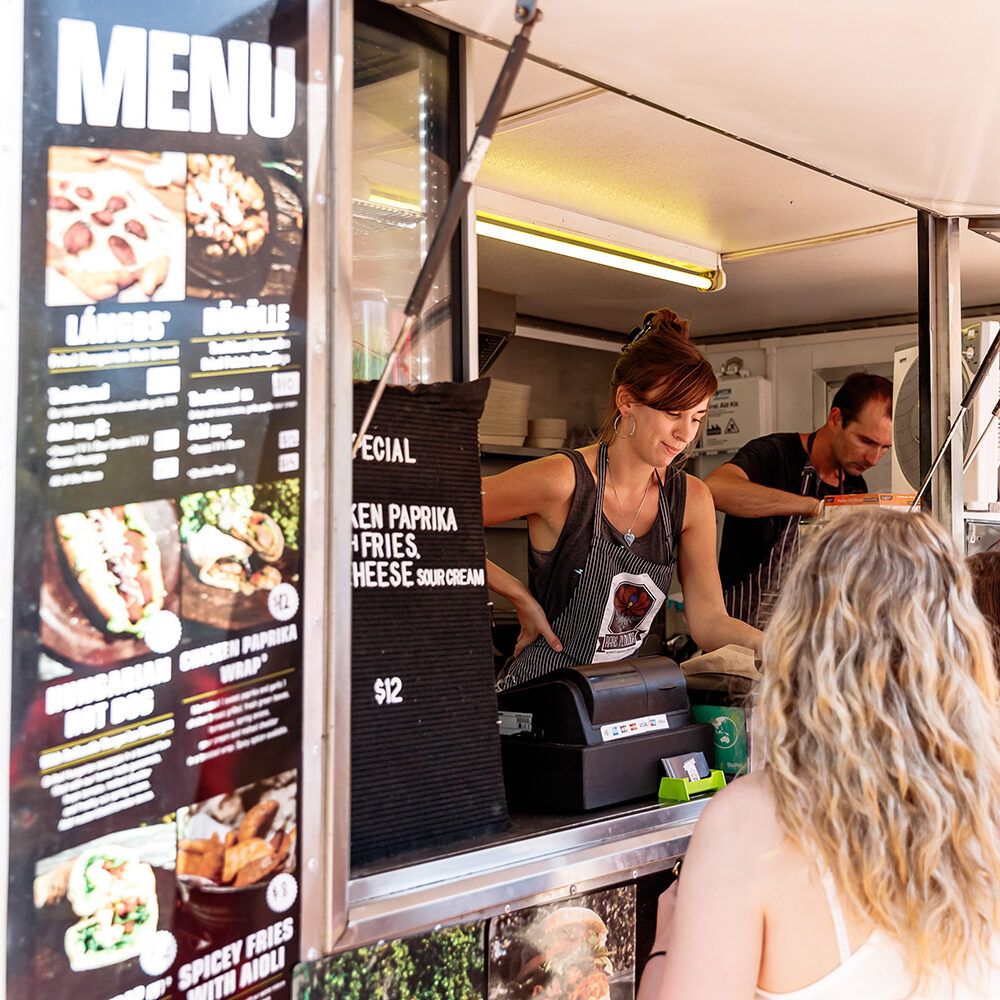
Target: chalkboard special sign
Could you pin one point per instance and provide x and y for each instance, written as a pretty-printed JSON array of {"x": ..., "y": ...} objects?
[{"x": 425, "y": 749}]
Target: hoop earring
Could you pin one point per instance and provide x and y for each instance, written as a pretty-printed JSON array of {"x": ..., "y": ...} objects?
[{"x": 615, "y": 425}]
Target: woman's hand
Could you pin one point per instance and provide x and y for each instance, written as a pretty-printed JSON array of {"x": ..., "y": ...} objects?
[
  {"x": 710, "y": 624},
  {"x": 533, "y": 624}
]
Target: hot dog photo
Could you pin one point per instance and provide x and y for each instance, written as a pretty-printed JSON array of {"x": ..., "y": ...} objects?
[{"x": 109, "y": 573}]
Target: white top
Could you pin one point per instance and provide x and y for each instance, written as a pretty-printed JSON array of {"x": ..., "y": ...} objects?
[{"x": 877, "y": 971}]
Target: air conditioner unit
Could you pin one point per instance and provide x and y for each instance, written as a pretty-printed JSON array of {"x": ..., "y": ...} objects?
[{"x": 981, "y": 478}]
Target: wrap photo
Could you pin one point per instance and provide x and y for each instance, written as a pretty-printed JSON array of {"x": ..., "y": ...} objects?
[{"x": 104, "y": 912}]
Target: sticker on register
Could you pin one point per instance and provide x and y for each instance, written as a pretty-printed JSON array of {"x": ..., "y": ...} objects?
[{"x": 633, "y": 727}]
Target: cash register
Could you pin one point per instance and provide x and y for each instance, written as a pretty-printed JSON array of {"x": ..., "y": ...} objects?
[{"x": 584, "y": 737}]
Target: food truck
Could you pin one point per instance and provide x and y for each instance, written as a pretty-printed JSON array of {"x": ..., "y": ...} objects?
[{"x": 254, "y": 740}]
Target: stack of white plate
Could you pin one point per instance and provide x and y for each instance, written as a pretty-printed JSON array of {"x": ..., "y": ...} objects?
[
  {"x": 546, "y": 433},
  {"x": 505, "y": 417}
]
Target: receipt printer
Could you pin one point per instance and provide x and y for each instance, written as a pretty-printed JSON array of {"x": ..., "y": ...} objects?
[{"x": 584, "y": 737}]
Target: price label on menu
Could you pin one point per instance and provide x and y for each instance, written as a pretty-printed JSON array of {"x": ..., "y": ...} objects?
[
  {"x": 160, "y": 544},
  {"x": 388, "y": 691}
]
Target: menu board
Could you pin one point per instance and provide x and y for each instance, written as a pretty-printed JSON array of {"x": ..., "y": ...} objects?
[
  {"x": 425, "y": 751},
  {"x": 159, "y": 542}
]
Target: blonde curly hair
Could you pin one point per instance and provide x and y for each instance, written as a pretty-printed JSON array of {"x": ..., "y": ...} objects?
[{"x": 879, "y": 713}]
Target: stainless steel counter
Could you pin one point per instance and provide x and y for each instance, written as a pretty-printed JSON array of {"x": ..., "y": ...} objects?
[{"x": 539, "y": 859}]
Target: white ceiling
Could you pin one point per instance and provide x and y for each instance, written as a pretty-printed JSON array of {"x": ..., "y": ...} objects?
[
  {"x": 887, "y": 95},
  {"x": 903, "y": 97},
  {"x": 639, "y": 167}
]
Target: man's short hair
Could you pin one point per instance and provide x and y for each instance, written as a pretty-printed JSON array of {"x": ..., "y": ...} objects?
[{"x": 860, "y": 388}]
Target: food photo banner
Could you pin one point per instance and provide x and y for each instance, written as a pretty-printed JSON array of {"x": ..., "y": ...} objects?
[{"x": 159, "y": 543}]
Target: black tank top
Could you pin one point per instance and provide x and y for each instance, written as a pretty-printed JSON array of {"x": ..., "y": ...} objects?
[{"x": 553, "y": 575}]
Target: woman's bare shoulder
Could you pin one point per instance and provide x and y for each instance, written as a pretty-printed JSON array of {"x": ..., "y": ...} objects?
[
  {"x": 698, "y": 505},
  {"x": 696, "y": 488},
  {"x": 547, "y": 479},
  {"x": 557, "y": 470},
  {"x": 742, "y": 818}
]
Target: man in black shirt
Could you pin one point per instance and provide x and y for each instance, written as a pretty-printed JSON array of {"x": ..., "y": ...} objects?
[{"x": 773, "y": 481}]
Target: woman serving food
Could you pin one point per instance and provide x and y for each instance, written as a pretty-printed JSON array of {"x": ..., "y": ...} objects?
[{"x": 607, "y": 524}]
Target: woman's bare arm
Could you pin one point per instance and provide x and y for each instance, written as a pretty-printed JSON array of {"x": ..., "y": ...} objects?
[
  {"x": 719, "y": 898},
  {"x": 540, "y": 491},
  {"x": 707, "y": 618}
]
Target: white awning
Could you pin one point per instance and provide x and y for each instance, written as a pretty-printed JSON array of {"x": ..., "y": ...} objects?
[{"x": 901, "y": 97}]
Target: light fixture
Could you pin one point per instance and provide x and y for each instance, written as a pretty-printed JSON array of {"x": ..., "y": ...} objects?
[
  {"x": 551, "y": 239},
  {"x": 386, "y": 201}
]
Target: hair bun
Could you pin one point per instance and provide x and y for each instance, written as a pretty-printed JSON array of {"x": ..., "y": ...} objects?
[{"x": 666, "y": 323}]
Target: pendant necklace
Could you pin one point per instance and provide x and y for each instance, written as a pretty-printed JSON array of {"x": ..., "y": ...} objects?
[{"x": 629, "y": 535}]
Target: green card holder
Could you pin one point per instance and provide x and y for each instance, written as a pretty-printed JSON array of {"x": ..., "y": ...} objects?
[{"x": 683, "y": 790}]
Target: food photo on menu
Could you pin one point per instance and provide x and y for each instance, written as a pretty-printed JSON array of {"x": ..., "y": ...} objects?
[
  {"x": 110, "y": 583},
  {"x": 244, "y": 225},
  {"x": 229, "y": 849},
  {"x": 104, "y": 912},
  {"x": 583, "y": 949},
  {"x": 239, "y": 543},
  {"x": 115, "y": 226}
]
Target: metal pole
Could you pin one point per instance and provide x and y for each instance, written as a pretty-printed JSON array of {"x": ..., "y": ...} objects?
[
  {"x": 326, "y": 667},
  {"x": 455, "y": 207},
  {"x": 940, "y": 371},
  {"x": 925, "y": 271},
  {"x": 12, "y": 55},
  {"x": 340, "y": 486},
  {"x": 470, "y": 254},
  {"x": 970, "y": 458}
]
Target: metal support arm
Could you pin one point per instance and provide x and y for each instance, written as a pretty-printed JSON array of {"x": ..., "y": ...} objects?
[{"x": 528, "y": 14}]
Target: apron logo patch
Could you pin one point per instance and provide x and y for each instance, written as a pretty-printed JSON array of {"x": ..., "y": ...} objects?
[{"x": 632, "y": 603}]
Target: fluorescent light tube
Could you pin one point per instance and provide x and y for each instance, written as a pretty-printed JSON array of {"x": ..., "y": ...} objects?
[{"x": 578, "y": 250}]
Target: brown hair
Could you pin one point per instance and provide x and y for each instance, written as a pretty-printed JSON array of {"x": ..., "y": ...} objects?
[
  {"x": 661, "y": 368},
  {"x": 985, "y": 570},
  {"x": 858, "y": 390}
]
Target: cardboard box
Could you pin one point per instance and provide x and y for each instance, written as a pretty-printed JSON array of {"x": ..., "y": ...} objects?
[{"x": 834, "y": 506}]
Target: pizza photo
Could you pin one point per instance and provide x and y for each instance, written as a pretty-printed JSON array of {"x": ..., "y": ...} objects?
[{"x": 115, "y": 227}]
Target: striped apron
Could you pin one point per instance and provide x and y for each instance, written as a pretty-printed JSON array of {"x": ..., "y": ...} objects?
[
  {"x": 615, "y": 602},
  {"x": 752, "y": 600}
]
